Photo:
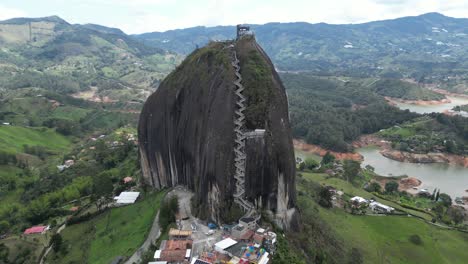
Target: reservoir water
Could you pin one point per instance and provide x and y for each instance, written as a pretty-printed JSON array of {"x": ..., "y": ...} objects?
[
  {"x": 450, "y": 179},
  {"x": 423, "y": 109}
]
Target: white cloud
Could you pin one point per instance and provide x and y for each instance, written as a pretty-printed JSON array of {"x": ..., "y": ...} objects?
[{"x": 7, "y": 13}]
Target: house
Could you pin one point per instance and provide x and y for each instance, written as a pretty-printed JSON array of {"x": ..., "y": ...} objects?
[
  {"x": 248, "y": 222},
  {"x": 174, "y": 251},
  {"x": 127, "y": 179},
  {"x": 36, "y": 230},
  {"x": 175, "y": 234},
  {"x": 127, "y": 197},
  {"x": 381, "y": 208},
  {"x": 358, "y": 200}
]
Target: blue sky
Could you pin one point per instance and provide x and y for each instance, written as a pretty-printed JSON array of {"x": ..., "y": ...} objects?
[{"x": 138, "y": 16}]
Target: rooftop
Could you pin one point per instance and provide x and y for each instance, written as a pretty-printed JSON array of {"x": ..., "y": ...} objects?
[
  {"x": 127, "y": 197},
  {"x": 226, "y": 243},
  {"x": 178, "y": 244},
  {"x": 35, "y": 230},
  {"x": 177, "y": 232}
]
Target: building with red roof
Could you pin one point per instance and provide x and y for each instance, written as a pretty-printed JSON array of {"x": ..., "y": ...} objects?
[{"x": 36, "y": 230}]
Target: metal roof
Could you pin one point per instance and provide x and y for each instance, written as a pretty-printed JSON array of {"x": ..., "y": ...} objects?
[
  {"x": 223, "y": 244},
  {"x": 127, "y": 197}
]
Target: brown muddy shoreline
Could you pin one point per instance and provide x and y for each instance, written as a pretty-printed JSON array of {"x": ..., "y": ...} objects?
[
  {"x": 402, "y": 156},
  {"x": 386, "y": 150}
]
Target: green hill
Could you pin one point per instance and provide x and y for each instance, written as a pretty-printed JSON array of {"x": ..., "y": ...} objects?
[
  {"x": 341, "y": 237},
  {"x": 13, "y": 138}
]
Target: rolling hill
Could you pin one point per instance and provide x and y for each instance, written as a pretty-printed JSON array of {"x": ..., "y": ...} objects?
[{"x": 53, "y": 54}]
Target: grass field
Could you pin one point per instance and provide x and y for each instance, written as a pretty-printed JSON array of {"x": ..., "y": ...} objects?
[
  {"x": 8, "y": 174},
  {"x": 118, "y": 232},
  {"x": 70, "y": 112},
  {"x": 25, "y": 250},
  {"x": 385, "y": 239},
  {"x": 12, "y": 139}
]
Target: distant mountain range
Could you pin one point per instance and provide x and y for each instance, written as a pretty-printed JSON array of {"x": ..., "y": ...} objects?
[
  {"x": 430, "y": 48},
  {"x": 425, "y": 46}
]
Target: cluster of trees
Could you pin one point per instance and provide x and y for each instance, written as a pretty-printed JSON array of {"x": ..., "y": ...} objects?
[
  {"x": 404, "y": 90},
  {"x": 437, "y": 132},
  {"x": 330, "y": 114},
  {"x": 56, "y": 83},
  {"x": 458, "y": 125},
  {"x": 44, "y": 195}
]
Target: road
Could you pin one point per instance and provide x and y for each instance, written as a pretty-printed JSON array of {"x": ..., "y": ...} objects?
[{"x": 154, "y": 233}]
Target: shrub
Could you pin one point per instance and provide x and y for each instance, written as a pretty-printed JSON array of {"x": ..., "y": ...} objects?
[{"x": 416, "y": 239}]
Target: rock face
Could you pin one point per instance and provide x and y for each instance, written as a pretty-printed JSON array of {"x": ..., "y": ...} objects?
[{"x": 186, "y": 133}]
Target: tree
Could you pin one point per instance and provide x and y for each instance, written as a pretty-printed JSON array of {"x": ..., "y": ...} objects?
[
  {"x": 351, "y": 169},
  {"x": 374, "y": 187},
  {"x": 416, "y": 239},
  {"x": 102, "y": 187},
  {"x": 56, "y": 241},
  {"x": 437, "y": 196},
  {"x": 457, "y": 214},
  {"x": 311, "y": 164},
  {"x": 325, "y": 197},
  {"x": 302, "y": 166},
  {"x": 445, "y": 199},
  {"x": 391, "y": 186},
  {"x": 327, "y": 158}
]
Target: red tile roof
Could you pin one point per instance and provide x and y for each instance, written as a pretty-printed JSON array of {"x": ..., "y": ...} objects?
[
  {"x": 173, "y": 255},
  {"x": 35, "y": 230},
  {"x": 178, "y": 244}
]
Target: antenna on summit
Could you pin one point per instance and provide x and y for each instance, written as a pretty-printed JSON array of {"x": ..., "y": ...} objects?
[{"x": 243, "y": 30}]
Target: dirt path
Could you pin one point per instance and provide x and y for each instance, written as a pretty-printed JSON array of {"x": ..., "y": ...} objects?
[{"x": 42, "y": 261}]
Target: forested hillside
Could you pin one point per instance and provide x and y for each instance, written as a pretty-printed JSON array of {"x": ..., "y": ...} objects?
[{"x": 332, "y": 112}]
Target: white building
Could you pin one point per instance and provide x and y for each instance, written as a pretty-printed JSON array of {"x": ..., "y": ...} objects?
[
  {"x": 381, "y": 208},
  {"x": 127, "y": 197},
  {"x": 359, "y": 200}
]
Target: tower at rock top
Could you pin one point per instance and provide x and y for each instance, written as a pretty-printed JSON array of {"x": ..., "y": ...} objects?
[{"x": 219, "y": 125}]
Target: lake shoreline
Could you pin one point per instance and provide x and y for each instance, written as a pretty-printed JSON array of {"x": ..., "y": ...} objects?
[
  {"x": 387, "y": 151},
  {"x": 394, "y": 101}
]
